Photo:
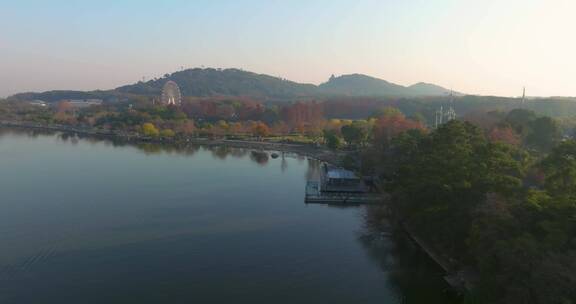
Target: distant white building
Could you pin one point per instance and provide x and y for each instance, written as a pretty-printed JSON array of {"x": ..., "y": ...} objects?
[
  {"x": 37, "y": 102},
  {"x": 83, "y": 103}
]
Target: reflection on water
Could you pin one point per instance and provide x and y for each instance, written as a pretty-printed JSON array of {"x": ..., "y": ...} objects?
[
  {"x": 149, "y": 148},
  {"x": 86, "y": 220},
  {"x": 259, "y": 157},
  {"x": 411, "y": 273}
]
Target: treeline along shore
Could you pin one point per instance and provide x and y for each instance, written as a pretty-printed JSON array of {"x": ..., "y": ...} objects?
[{"x": 304, "y": 149}]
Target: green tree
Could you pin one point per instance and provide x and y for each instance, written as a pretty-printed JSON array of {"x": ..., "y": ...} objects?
[
  {"x": 544, "y": 135},
  {"x": 148, "y": 129},
  {"x": 355, "y": 134},
  {"x": 167, "y": 133},
  {"x": 445, "y": 175},
  {"x": 520, "y": 120},
  {"x": 560, "y": 169},
  {"x": 332, "y": 140},
  {"x": 388, "y": 111},
  {"x": 419, "y": 118}
]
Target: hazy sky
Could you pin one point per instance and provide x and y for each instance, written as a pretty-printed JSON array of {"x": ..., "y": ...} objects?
[{"x": 476, "y": 46}]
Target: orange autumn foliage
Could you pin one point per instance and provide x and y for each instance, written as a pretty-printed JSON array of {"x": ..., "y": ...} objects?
[
  {"x": 389, "y": 126},
  {"x": 505, "y": 135}
]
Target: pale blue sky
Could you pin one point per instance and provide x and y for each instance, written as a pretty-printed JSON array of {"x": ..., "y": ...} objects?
[{"x": 484, "y": 47}]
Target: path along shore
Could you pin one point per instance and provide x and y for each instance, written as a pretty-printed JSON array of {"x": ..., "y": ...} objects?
[{"x": 308, "y": 150}]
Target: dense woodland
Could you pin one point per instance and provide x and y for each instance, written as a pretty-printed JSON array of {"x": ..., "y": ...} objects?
[
  {"x": 494, "y": 190},
  {"x": 500, "y": 204}
]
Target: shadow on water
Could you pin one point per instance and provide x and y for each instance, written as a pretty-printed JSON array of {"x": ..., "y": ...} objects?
[{"x": 413, "y": 276}]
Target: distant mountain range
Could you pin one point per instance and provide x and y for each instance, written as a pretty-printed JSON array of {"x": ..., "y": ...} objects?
[
  {"x": 235, "y": 82},
  {"x": 229, "y": 82},
  {"x": 362, "y": 85}
]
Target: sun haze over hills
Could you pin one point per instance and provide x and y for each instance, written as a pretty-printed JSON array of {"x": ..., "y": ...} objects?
[
  {"x": 492, "y": 47},
  {"x": 235, "y": 82}
]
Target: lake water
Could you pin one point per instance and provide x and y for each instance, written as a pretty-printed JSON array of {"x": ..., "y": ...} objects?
[{"x": 91, "y": 221}]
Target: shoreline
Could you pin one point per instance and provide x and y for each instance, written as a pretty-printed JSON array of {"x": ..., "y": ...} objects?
[
  {"x": 456, "y": 279},
  {"x": 319, "y": 153}
]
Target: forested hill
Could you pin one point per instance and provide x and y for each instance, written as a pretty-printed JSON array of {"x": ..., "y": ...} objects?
[
  {"x": 428, "y": 89},
  {"x": 363, "y": 85},
  {"x": 229, "y": 82},
  {"x": 235, "y": 82},
  {"x": 58, "y": 95}
]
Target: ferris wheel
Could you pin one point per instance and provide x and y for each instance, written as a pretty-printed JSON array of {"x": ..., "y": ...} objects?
[{"x": 171, "y": 93}]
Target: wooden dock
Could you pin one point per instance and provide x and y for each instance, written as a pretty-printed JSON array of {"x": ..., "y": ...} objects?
[{"x": 315, "y": 196}]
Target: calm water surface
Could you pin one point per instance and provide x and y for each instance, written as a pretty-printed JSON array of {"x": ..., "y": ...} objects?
[{"x": 89, "y": 221}]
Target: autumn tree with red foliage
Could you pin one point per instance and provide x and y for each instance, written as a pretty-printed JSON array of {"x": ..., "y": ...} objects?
[
  {"x": 504, "y": 135},
  {"x": 63, "y": 107},
  {"x": 391, "y": 124},
  {"x": 260, "y": 129},
  {"x": 302, "y": 114},
  {"x": 65, "y": 113}
]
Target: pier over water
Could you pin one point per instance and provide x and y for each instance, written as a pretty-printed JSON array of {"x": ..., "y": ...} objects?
[{"x": 340, "y": 186}]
